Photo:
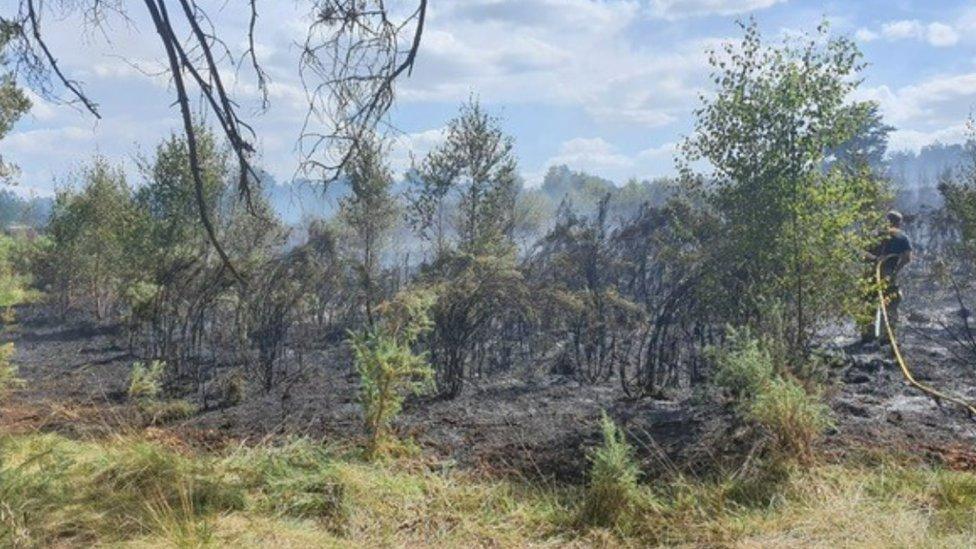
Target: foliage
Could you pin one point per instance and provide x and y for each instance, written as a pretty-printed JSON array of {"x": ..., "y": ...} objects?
[
  {"x": 8, "y": 370},
  {"x": 476, "y": 170},
  {"x": 576, "y": 263},
  {"x": 958, "y": 192},
  {"x": 952, "y": 244},
  {"x": 388, "y": 367},
  {"x": 369, "y": 212},
  {"x": 13, "y": 101},
  {"x": 792, "y": 229},
  {"x": 13, "y": 291},
  {"x": 15, "y": 268},
  {"x": 612, "y": 494},
  {"x": 145, "y": 381},
  {"x": 766, "y": 394},
  {"x": 582, "y": 192},
  {"x": 23, "y": 213},
  {"x": 171, "y": 231},
  {"x": 477, "y": 299},
  {"x": 90, "y": 230},
  {"x": 743, "y": 366},
  {"x": 791, "y": 416}
]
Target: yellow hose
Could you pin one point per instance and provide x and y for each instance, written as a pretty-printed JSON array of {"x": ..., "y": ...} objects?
[{"x": 901, "y": 359}]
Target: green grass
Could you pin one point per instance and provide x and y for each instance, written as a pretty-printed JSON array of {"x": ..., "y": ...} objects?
[{"x": 128, "y": 492}]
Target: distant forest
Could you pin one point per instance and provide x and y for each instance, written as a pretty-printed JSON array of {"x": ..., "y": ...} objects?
[{"x": 915, "y": 177}]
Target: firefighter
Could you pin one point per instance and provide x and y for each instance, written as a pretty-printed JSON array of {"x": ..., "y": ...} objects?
[{"x": 895, "y": 249}]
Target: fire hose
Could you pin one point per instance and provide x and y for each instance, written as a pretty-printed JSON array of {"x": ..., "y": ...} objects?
[{"x": 938, "y": 396}]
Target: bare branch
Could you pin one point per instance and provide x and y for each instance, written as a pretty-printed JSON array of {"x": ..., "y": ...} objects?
[
  {"x": 352, "y": 57},
  {"x": 164, "y": 28},
  {"x": 73, "y": 86}
]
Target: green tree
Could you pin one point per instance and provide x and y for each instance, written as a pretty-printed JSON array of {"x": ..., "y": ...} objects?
[
  {"x": 370, "y": 212},
  {"x": 173, "y": 230},
  {"x": 869, "y": 144},
  {"x": 13, "y": 101},
  {"x": 792, "y": 227},
  {"x": 90, "y": 228},
  {"x": 474, "y": 171}
]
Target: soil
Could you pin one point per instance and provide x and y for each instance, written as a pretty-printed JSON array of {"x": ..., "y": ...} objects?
[{"x": 76, "y": 374}]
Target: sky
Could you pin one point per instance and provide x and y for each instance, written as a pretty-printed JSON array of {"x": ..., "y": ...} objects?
[{"x": 604, "y": 86}]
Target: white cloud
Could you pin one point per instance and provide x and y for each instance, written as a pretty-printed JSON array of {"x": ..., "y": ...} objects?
[
  {"x": 666, "y": 151},
  {"x": 40, "y": 109},
  {"x": 411, "y": 147},
  {"x": 865, "y": 35},
  {"x": 568, "y": 53},
  {"x": 615, "y": 61},
  {"x": 914, "y": 140},
  {"x": 936, "y": 33},
  {"x": 897, "y": 30},
  {"x": 597, "y": 156},
  {"x": 590, "y": 154},
  {"x": 930, "y": 110},
  {"x": 675, "y": 9},
  {"x": 44, "y": 141},
  {"x": 941, "y": 35}
]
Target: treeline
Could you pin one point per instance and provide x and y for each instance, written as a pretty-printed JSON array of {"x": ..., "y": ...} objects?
[{"x": 27, "y": 212}]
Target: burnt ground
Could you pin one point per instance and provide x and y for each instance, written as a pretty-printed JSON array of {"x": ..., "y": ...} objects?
[{"x": 76, "y": 373}]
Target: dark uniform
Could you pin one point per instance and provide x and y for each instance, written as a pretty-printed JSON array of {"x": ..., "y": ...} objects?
[{"x": 892, "y": 247}]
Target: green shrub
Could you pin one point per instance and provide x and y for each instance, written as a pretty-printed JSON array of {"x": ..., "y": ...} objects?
[
  {"x": 232, "y": 389},
  {"x": 742, "y": 365},
  {"x": 8, "y": 371},
  {"x": 769, "y": 397},
  {"x": 388, "y": 367},
  {"x": 612, "y": 494},
  {"x": 145, "y": 382}
]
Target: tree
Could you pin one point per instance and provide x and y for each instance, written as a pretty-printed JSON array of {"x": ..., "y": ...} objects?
[
  {"x": 955, "y": 245},
  {"x": 577, "y": 265},
  {"x": 90, "y": 228},
  {"x": 13, "y": 101},
  {"x": 168, "y": 198},
  {"x": 369, "y": 212},
  {"x": 182, "y": 296},
  {"x": 792, "y": 228},
  {"x": 475, "y": 171},
  {"x": 478, "y": 300},
  {"x": 868, "y": 145}
]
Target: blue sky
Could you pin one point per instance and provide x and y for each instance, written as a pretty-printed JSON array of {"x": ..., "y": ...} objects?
[{"x": 606, "y": 86}]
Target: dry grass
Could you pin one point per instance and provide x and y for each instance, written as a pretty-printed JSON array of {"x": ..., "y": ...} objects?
[{"x": 136, "y": 493}]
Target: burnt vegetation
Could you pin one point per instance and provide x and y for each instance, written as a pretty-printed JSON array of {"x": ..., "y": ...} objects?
[
  {"x": 721, "y": 289},
  {"x": 630, "y": 285}
]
